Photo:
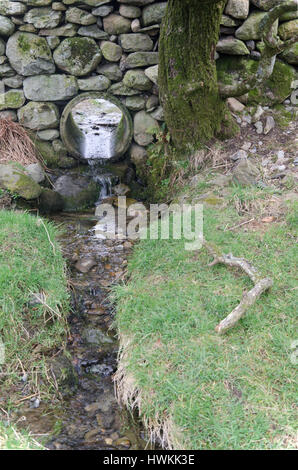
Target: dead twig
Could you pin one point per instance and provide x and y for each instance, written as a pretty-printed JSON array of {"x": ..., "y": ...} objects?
[{"x": 260, "y": 285}]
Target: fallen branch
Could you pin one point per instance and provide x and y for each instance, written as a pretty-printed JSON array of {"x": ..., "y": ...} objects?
[{"x": 261, "y": 285}]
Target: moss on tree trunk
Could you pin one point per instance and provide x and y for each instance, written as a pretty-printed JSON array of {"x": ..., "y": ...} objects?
[{"x": 194, "y": 111}]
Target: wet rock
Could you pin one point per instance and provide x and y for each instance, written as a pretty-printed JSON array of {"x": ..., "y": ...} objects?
[
  {"x": 85, "y": 264},
  {"x": 96, "y": 337},
  {"x": 50, "y": 202},
  {"x": 77, "y": 192},
  {"x": 65, "y": 374}
]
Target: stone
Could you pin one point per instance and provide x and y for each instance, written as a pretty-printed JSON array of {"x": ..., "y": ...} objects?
[
  {"x": 14, "y": 179},
  {"x": 135, "y": 103},
  {"x": 29, "y": 54},
  {"x": 238, "y": 155},
  {"x": 235, "y": 105},
  {"x": 43, "y": 17},
  {"x": 265, "y": 4},
  {"x": 78, "y": 16},
  {"x": 84, "y": 265},
  {"x": 6, "y": 26},
  {"x": 141, "y": 59},
  {"x": 144, "y": 126},
  {"x": 152, "y": 73},
  {"x": 48, "y": 134},
  {"x": 50, "y": 201},
  {"x": 12, "y": 8},
  {"x": 152, "y": 103},
  {"x": 9, "y": 114},
  {"x": 111, "y": 71},
  {"x": 250, "y": 29},
  {"x": 139, "y": 157},
  {"x": 136, "y": 42},
  {"x": 2, "y": 47},
  {"x": 291, "y": 54},
  {"x": 138, "y": 80},
  {"x": 158, "y": 114},
  {"x": 232, "y": 46},
  {"x": 116, "y": 24},
  {"x": 50, "y": 87},
  {"x": 102, "y": 11},
  {"x": 120, "y": 89},
  {"x": 111, "y": 52},
  {"x": 53, "y": 42},
  {"x": 269, "y": 125},
  {"x": 258, "y": 114},
  {"x": 77, "y": 56},
  {"x": 58, "y": 6},
  {"x": 78, "y": 192},
  {"x": 12, "y": 99},
  {"x": 35, "y": 171},
  {"x": 129, "y": 11},
  {"x": 6, "y": 71},
  {"x": 135, "y": 25},
  {"x": 259, "y": 127},
  {"x": 238, "y": 8},
  {"x": 68, "y": 30},
  {"x": 38, "y": 116},
  {"x": 231, "y": 70},
  {"x": 288, "y": 30},
  {"x": 92, "y": 31},
  {"x": 96, "y": 336},
  {"x": 245, "y": 173},
  {"x": 153, "y": 14},
  {"x": 96, "y": 83}
]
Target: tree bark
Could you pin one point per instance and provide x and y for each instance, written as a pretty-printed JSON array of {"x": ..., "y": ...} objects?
[{"x": 194, "y": 110}]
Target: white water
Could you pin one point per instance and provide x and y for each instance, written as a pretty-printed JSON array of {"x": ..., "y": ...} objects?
[{"x": 98, "y": 119}]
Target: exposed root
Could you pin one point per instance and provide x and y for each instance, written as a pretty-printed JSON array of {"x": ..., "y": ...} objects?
[
  {"x": 15, "y": 144},
  {"x": 261, "y": 285}
]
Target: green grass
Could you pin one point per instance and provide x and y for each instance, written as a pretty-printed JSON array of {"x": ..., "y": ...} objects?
[
  {"x": 12, "y": 439},
  {"x": 30, "y": 263},
  {"x": 235, "y": 391}
]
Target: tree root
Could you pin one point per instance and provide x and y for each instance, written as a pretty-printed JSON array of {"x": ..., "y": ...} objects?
[{"x": 249, "y": 298}]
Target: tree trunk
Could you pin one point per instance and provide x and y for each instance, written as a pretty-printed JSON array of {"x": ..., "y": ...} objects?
[{"x": 194, "y": 111}]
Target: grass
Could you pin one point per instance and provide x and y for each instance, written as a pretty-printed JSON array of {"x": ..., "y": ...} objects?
[
  {"x": 193, "y": 388},
  {"x": 31, "y": 264},
  {"x": 11, "y": 439}
]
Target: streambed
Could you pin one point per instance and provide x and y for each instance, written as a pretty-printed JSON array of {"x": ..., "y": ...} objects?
[{"x": 91, "y": 418}]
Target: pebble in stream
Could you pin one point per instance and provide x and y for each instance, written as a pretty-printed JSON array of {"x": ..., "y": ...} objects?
[{"x": 91, "y": 418}]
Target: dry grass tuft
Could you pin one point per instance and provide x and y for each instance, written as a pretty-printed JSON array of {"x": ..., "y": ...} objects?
[{"x": 15, "y": 144}]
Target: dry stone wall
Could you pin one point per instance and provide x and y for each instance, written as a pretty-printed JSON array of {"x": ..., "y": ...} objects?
[{"x": 52, "y": 51}]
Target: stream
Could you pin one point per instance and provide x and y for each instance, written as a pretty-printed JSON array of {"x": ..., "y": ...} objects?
[{"x": 92, "y": 418}]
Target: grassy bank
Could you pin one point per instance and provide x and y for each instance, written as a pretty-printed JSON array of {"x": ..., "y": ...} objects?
[
  {"x": 33, "y": 307},
  {"x": 193, "y": 388}
]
